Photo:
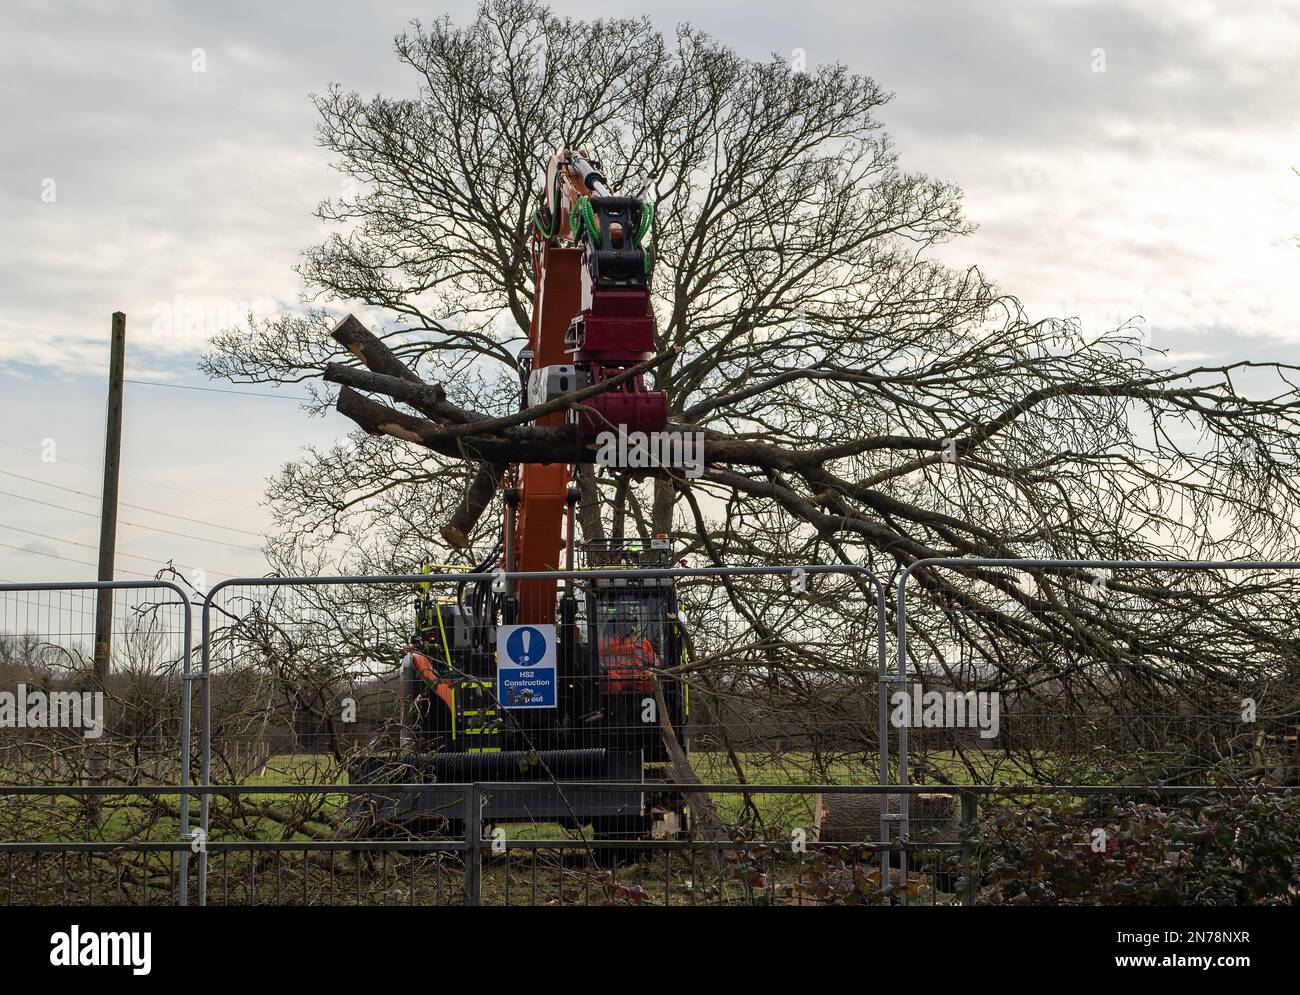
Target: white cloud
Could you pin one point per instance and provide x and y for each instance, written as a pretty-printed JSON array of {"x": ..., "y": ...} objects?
[{"x": 1161, "y": 187}]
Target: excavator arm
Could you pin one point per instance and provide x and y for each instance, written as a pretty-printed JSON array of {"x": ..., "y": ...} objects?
[
  {"x": 591, "y": 324},
  {"x": 591, "y": 321}
]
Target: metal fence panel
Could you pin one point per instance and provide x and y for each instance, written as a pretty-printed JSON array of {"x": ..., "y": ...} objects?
[
  {"x": 723, "y": 752},
  {"x": 748, "y": 674},
  {"x": 61, "y": 725},
  {"x": 1091, "y": 671}
]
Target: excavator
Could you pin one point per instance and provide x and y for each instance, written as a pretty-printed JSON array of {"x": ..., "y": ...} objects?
[{"x": 584, "y": 705}]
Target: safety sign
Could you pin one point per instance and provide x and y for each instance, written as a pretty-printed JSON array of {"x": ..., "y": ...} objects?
[{"x": 526, "y": 666}]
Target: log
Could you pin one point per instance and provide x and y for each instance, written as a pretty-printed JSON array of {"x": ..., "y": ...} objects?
[
  {"x": 550, "y": 444},
  {"x": 854, "y": 818},
  {"x": 478, "y": 495},
  {"x": 370, "y": 349}
]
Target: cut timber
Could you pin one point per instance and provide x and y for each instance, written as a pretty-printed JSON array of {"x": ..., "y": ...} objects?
[
  {"x": 370, "y": 349},
  {"x": 478, "y": 495},
  {"x": 854, "y": 818}
]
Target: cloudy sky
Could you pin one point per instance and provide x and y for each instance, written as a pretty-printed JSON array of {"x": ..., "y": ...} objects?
[{"x": 1120, "y": 158}]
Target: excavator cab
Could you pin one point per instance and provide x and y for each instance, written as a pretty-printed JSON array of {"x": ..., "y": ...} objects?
[
  {"x": 629, "y": 641},
  {"x": 633, "y": 636}
]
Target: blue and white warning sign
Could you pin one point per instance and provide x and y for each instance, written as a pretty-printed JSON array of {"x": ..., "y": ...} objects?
[{"x": 526, "y": 666}]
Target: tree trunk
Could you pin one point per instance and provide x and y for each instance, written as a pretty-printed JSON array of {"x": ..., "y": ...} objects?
[
  {"x": 711, "y": 825},
  {"x": 661, "y": 517},
  {"x": 478, "y": 495},
  {"x": 853, "y": 818},
  {"x": 589, "y": 505}
]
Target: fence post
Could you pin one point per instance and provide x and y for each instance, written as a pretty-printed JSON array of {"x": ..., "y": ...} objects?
[
  {"x": 883, "y": 683},
  {"x": 969, "y": 807},
  {"x": 474, "y": 839}
]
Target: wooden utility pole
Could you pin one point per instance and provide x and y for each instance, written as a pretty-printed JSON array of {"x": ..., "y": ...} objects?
[{"x": 108, "y": 510}]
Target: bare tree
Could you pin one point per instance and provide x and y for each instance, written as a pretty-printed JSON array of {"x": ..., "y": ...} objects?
[{"x": 860, "y": 401}]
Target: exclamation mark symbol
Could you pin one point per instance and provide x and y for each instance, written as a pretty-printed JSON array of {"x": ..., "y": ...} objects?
[{"x": 526, "y": 637}]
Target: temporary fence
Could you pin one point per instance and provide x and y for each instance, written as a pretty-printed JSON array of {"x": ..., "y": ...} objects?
[
  {"x": 1094, "y": 671},
  {"x": 724, "y": 735},
  {"x": 94, "y": 693}
]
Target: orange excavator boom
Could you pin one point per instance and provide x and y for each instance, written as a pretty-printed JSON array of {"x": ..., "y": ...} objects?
[{"x": 591, "y": 321}]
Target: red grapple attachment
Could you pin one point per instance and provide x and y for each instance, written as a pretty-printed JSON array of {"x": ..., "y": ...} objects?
[{"x": 616, "y": 331}]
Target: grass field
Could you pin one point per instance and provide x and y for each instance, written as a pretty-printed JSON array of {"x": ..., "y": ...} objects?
[
  {"x": 759, "y": 866},
  {"x": 134, "y": 817}
]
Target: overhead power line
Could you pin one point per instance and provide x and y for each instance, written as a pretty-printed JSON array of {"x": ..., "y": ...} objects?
[
  {"x": 86, "y": 545},
  {"x": 65, "y": 559},
  {"x": 153, "y": 511},
  {"x": 151, "y": 483},
  {"x": 220, "y": 390},
  {"x": 137, "y": 507},
  {"x": 134, "y": 525}
]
